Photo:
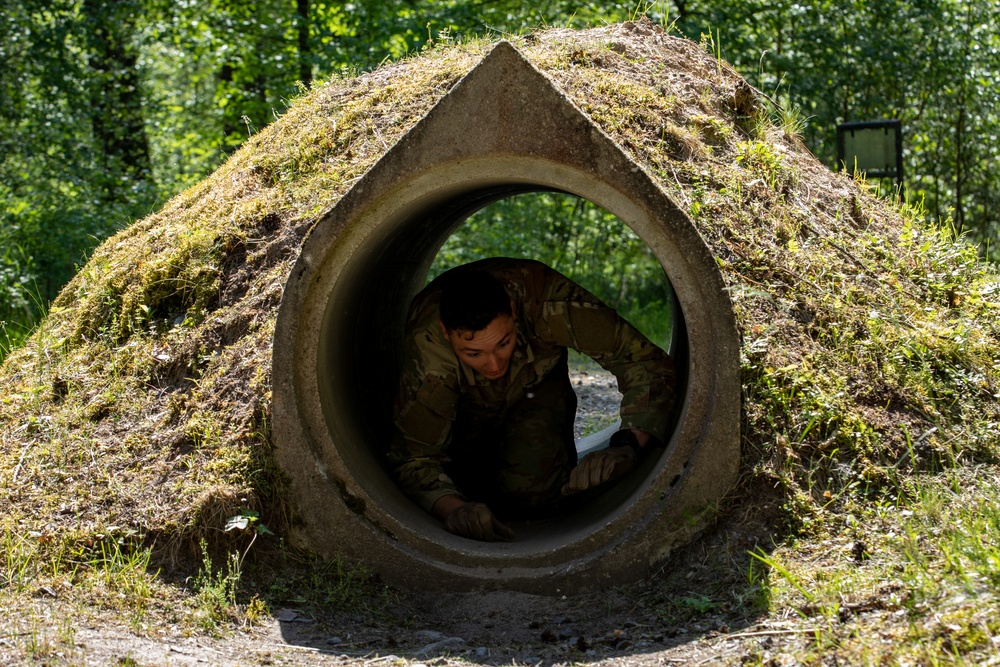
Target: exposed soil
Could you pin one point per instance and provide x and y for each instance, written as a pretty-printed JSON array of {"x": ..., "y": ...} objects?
[
  {"x": 666, "y": 620},
  {"x": 597, "y": 399},
  {"x": 646, "y": 624}
]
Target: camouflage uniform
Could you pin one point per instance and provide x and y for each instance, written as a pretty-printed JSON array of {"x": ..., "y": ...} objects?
[{"x": 509, "y": 442}]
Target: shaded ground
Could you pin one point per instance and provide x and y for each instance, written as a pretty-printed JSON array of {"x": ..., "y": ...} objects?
[
  {"x": 651, "y": 623},
  {"x": 668, "y": 620}
]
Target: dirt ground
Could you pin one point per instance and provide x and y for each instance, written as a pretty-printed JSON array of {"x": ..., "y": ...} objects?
[
  {"x": 639, "y": 625},
  {"x": 695, "y": 611},
  {"x": 493, "y": 630},
  {"x": 666, "y": 620}
]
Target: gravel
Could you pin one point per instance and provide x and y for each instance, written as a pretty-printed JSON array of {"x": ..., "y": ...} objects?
[{"x": 598, "y": 400}]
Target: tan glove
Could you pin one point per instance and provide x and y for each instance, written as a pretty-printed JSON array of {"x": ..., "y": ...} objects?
[
  {"x": 476, "y": 521},
  {"x": 599, "y": 467}
]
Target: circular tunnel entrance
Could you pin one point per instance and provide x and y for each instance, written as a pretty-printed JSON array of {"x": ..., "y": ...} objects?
[
  {"x": 335, "y": 364},
  {"x": 363, "y": 341}
]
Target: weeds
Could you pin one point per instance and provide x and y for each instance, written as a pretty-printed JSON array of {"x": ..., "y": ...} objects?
[
  {"x": 20, "y": 558},
  {"x": 215, "y": 590},
  {"x": 713, "y": 44},
  {"x": 793, "y": 581},
  {"x": 657, "y": 11},
  {"x": 869, "y": 359},
  {"x": 922, "y": 566},
  {"x": 791, "y": 120},
  {"x": 760, "y": 158},
  {"x": 123, "y": 569}
]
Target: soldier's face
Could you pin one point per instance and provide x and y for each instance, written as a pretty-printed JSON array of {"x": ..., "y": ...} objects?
[{"x": 488, "y": 350}]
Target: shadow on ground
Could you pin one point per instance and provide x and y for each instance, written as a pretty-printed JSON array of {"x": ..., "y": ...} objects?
[{"x": 712, "y": 588}]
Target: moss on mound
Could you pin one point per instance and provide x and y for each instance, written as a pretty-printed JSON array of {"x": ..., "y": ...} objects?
[{"x": 870, "y": 339}]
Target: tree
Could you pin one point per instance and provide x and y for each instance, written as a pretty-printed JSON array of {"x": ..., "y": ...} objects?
[
  {"x": 109, "y": 107},
  {"x": 116, "y": 98},
  {"x": 933, "y": 64},
  {"x": 76, "y": 158}
]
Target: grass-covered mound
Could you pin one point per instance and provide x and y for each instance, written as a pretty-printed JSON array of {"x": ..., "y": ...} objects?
[{"x": 138, "y": 414}]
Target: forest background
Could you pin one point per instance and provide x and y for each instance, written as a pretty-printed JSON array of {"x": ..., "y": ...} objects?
[{"x": 109, "y": 108}]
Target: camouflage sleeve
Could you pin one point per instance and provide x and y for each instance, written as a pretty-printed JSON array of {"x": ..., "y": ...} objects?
[
  {"x": 571, "y": 316},
  {"x": 424, "y": 411}
]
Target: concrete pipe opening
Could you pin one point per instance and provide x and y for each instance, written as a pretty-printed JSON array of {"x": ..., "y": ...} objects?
[
  {"x": 335, "y": 362},
  {"x": 503, "y": 129}
]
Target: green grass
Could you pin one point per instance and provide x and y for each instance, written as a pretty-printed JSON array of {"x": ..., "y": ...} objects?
[
  {"x": 113, "y": 579},
  {"x": 907, "y": 581},
  {"x": 869, "y": 364}
]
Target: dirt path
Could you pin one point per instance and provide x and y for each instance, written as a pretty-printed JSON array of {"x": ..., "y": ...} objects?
[
  {"x": 597, "y": 399},
  {"x": 497, "y": 628},
  {"x": 669, "y": 620},
  {"x": 696, "y": 611}
]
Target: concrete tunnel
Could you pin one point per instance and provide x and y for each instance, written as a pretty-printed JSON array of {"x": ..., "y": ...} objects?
[{"x": 504, "y": 129}]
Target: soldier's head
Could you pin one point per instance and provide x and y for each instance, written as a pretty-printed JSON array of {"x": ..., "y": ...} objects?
[{"x": 477, "y": 318}]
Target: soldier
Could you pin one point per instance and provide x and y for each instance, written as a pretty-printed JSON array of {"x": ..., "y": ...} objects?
[{"x": 485, "y": 409}]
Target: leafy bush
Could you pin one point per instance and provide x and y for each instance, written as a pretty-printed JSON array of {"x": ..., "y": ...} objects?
[{"x": 580, "y": 240}]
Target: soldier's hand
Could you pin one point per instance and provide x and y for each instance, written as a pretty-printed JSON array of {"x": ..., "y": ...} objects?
[
  {"x": 599, "y": 467},
  {"x": 476, "y": 521}
]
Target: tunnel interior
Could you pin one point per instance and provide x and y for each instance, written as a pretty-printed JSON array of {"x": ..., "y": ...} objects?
[{"x": 359, "y": 355}]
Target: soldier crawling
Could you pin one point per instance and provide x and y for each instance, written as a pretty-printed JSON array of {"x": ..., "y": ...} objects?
[{"x": 485, "y": 409}]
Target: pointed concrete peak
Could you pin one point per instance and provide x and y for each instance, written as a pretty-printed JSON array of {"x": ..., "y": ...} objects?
[
  {"x": 505, "y": 50},
  {"x": 505, "y": 63},
  {"x": 503, "y": 106},
  {"x": 505, "y": 53},
  {"x": 502, "y": 47}
]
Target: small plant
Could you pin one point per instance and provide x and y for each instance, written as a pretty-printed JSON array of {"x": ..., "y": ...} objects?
[
  {"x": 791, "y": 119},
  {"x": 38, "y": 646},
  {"x": 20, "y": 560},
  {"x": 247, "y": 520},
  {"x": 657, "y": 11},
  {"x": 713, "y": 44},
  {"x": 762, "y": 159},
  {"x": 215, "y": 590},
  {"x": 773, "y": 564},
  {"x": 120, "y": 567},
  {"x": 758, "y": 594},
  {"x": 698, "y": 603}
]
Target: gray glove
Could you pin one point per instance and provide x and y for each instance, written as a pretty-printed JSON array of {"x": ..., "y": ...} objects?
[
  {"x": 476, "y": 521},
  {"x": 599, "y": 467}
]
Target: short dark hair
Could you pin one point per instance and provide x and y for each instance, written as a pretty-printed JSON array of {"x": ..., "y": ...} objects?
[{"x": 471, "y": 299}]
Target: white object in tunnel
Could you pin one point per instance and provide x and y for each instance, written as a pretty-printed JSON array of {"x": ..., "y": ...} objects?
[{"x": 596, "y": 441}]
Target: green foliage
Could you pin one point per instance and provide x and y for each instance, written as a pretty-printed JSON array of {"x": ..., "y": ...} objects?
[
  {"x": 111, "y": 108},
  {"x": 580, "y": 240},
  {"x": 894, "y": 381},
  {"x": 19, "y": 303},
  {"x": 76, "y": 165},
  {"x": 761, "y": 159},
  {"x": 216, "y": 589},
  {"x": 934, "y": 65},
  {"x": 916, "y": 573}
]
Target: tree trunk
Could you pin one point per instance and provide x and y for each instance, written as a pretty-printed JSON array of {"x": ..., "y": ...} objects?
[
  {"x": 116, "y": 98},
  {"x": 305, "y": 56}
]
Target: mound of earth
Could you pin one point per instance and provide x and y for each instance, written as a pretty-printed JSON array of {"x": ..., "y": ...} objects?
[{"x": 139, "y": 411}]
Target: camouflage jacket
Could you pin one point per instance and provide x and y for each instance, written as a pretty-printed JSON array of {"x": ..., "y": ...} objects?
[{"x": 552, "y": 313}]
